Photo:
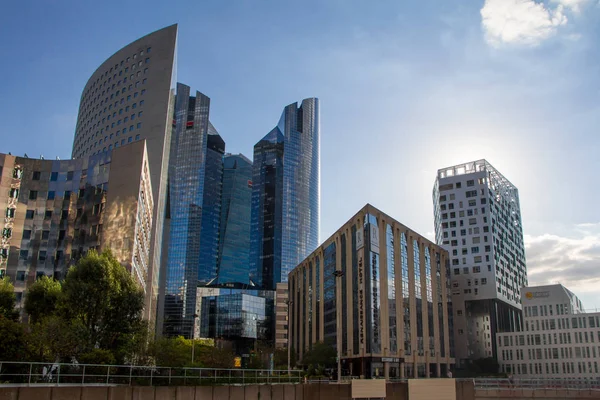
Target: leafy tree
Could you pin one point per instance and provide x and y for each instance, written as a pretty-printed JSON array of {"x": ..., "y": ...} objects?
[
  {"x": 55, "y": 339},
  {"x": 320, "y": 354},
  {"x": 280, "y": 359},
  {"x": 8, "y": 299},
  {"x": 12, "y": 340},
  {"x": 214, "y": 357},
  {"x": 101, "y": 298},
  {"x": 172, "y": 352},
  {"x": 41, "y": 298}
]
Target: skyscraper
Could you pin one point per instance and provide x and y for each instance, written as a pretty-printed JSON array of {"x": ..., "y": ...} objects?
[
  {"x": 234, "y": 235},
  {"x": 129, "y": 98},
  {"x": 187, "y": 171},
  {"x": 285, "y": 195},
  {"x": 478, "y": 220}
]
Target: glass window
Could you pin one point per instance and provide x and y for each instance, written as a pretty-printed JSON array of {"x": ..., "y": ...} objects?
[
  {"x": 29, "y": 214},
  {"x": 51, "y": 194}
]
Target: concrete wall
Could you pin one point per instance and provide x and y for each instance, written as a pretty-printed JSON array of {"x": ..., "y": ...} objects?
[{"x": 314, "y": 391}]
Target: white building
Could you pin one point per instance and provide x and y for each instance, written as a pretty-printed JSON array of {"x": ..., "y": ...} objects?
[
  {"x": 560, "y": 340},
  {"x": 478, "y": 220}
]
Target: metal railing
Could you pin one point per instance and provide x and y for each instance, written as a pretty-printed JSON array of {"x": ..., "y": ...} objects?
[
  {"x": 537, "y": 383},
  {"x": 17, "y": 373}
]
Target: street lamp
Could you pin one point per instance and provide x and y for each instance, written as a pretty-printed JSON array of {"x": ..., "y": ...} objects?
[
  {"x": 193, "y": 343},
  {"x": 338, "y": 274}
]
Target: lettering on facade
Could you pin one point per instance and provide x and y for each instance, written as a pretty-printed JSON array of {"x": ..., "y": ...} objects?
[
  {"x": 361, "y": 316},
  {"x": 537, "y": 295},
  {"x": 360, "y": 240},
  {"x": 374, "y": 238},
  {"x": 375, "y": 295}
]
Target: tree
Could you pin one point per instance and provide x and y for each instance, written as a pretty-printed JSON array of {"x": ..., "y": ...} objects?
[
  {"x": 12, "y": 340},
  {"x": 320, "y": 354},
  {"x": 41, "y": 298},
  {"x": 55, "y": 339},
  {"x": 172, "y": 352},
  {"x": 8, "y": 300},
  {"x": 101, "y": 298}
]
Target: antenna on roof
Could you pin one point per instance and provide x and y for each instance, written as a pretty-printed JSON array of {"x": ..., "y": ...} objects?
[
  {"x": 57, "y": 157},
  {"x": 26, "y": 156},
  {"x": 41, "y": 156}
]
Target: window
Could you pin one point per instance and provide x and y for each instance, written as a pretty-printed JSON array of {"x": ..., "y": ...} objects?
[
  {"x": 139, "y": 125},
  {"x": 470, "y": 182},
  {"x": 51, "y": 194},
  {"x": 64, "y": 214},
  {"x": 484, "y": 281},
  {"x": 36, "y": 176},
  {"x": 45, "y": 235},
  {"x": 70, "y": 175},
  {"x": 29, "y": 214},
  {"x": 33, "y": 195},
  {"x": 23, "y": 254},
  {"x": 54, "y": 176},
  {"x": 42, "y": 255},
  {"x": 456, "y": 271},
  {"x": 137, "y": 137},
  {"x": 27, "y": 234}
]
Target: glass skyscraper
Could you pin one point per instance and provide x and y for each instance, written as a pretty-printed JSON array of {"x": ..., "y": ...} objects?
[
  {"x": 211, "y": 206},
  {"x": 234, "y": 236},
  {"x": 285, "y": 195},
  {"x": 187, "y": 170}
]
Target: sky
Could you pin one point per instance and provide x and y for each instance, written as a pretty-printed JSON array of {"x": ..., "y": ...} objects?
[{"x": 406, "y": 88}]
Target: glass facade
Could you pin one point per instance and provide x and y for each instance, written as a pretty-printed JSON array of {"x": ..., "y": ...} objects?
[
  {"x": 211, "y": 206},
  {"x": 373, "y": 298},
  {"x": 329, "y": 288},
  {"x": 236, "y": 198},
  {"x": 391, "y": 282},
  {"x": 186, "y": 195},
  {"x": 234, "y": 314},
  {"x": 285, "y": 197}
]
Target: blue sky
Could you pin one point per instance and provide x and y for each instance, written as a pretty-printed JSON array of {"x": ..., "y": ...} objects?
[{"x": 405, "y": 88}]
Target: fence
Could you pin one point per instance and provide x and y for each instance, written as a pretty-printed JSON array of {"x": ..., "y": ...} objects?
[
  {"x": 93, "y": 374},
  {"x": 536, "y": 383}
]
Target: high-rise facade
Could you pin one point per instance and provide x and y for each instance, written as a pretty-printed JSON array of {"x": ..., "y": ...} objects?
[
  {"x": 379, "y": 293},
  {"x": 560, "y": 340},
  {"x": 285, "y": 194},
  {"x": 478, "y": 220},
  {"x": 129, "y": 98},
  {"x": 234, "y": 234},
  {"x": 211, "y": 207},
  {"x": 187, "y": 172},
  {"x": 57, "y": 210}
]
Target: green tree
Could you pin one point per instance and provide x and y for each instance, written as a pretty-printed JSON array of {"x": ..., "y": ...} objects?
[
  {"x": 320, "y": 354},
  {"x": 41, "y": 298},
  {"x": 13, "y": 340},
  {"x": 172, "y": 352},
  {"x": 101, "y": 298},
  {"x": 55, "y": 339},
  {"x": 8, "y": 300}
]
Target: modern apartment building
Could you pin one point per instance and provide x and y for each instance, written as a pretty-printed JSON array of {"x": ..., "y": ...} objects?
[
  {"x": 560, "y": 340},
  {"x": 379, "y": 293},
  {"x": 478, "y": 220},
  {"x": 129, "y": 98},
  {"x": 285, "y": 195},
  {"x": 57, "y": 210}
]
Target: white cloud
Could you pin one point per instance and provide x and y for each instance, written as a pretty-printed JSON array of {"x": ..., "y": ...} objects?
[
  {"x": 574, "y": 5},
  {"x": 522, "y": 22},
  {"x": 572, "y": 261}
]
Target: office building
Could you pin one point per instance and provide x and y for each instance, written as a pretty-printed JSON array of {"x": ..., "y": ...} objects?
[
  {"x": 560, "y": 340},
  {"x": 234, "y": 235},
  {"x": 285, "y": 195},
  {"x": 57, "y": 210},
  {"x": 478, "y": 220},
  {"x": 281, "y": 307},
  {"x": 189, "y": 260},
  {"x": 379, "y": 293},
  {"x": 129, "y": 98}
]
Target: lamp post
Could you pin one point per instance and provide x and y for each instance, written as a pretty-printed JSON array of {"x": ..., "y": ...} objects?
[
  {"x": 193, "y": 338},
  {"x": 289, "y": 341},
  {"x": 338, "y": 274}
]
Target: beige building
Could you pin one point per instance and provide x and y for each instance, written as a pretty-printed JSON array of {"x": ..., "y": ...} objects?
[
  {"x": 56, "y": 210},
  {"x": 379, "y": 293},
  {"x": 130, "y": 97},
  {"x": 281, "y": 315}
]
